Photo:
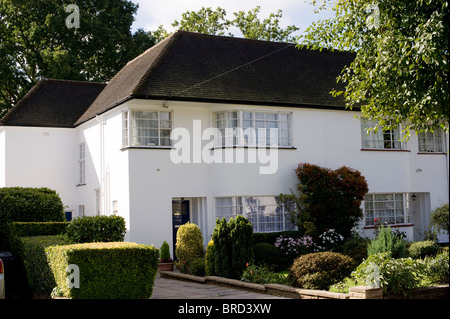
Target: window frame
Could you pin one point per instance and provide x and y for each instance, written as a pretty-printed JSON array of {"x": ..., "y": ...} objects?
[
  {"x": 366, "y": 141},
  {"x": 379, "y": 213},
  {"x": 241, "y": 139},
  {"x": 239, "y": 206},
  {"x": 81, "y": 164},
  {"x": 436, "y": 135},
  {"x": 129, "y": 130}
]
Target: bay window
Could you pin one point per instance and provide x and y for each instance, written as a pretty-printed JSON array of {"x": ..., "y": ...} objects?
[
  {"x": 253, "y": 128},
  {"x": 146, "y": 128},
  {"x": 265, "y": 213}
]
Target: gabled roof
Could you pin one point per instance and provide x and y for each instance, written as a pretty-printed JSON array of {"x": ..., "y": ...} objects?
[
  {"x": 191, "y": 66},
  {"x": 53, "y": 103}
]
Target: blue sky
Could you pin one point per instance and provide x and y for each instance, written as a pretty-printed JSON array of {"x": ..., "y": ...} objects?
[{"x": 152, "y": 13}]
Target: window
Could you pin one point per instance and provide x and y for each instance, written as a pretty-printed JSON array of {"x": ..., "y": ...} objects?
[
  {"x": 251, "y": 128},
  {"x": 80, "y": 210},
  {"x": 265, "y": 213},
  {"x": 390, "y": 208},
  {"x": 97, "y": 201},
  {"x": 389, "y": 139},
  {"x": 82, "y": 164},
  {"x": 146, "y": 128},
  {"x": 431, "y": 142}
]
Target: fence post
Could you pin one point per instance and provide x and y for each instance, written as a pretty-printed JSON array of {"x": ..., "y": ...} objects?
[{"x": 365, "y": 292}]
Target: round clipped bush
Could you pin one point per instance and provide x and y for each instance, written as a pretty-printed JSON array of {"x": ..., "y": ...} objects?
[
  {"x": 266, "y": 254},
  {"x": 422, "y": 249},
  {"x": 189, "y": 246},
  {"x": 320, "y": 270}
]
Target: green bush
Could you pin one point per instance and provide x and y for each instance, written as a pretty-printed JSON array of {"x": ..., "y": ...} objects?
[
  {"x": 189, "y": 246},
  {"x": 19, "y": 204},
  {"x": 210, "y": 259},
  {"x": 260, "y": 274},
  {"x": 386, "y": 241},
  {"x": 115, "y": 270},
  {"x": 32, "y": 252},
  {"x": 421, "y": 249},
  {"x": 233, "y": 242},
  {"x": 31, "y": 205},
  {"x": 320, "y": 270},
  {"x": 24, "y": 229},
  {"x": 440, "y": 218},
  {"x": 164, "y": 253},
  {"x": 401, "y": 275},
  {"x": 99, "y": 228},
  {"x": 266, "y": 254},
  {"x": 197, "y": 267}
]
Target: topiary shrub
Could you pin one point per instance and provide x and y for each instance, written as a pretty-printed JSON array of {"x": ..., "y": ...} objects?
[
  {"x": 440, "y": 218},
  {"x": 189, "y": 246},
  {"x": 422, "y": 249},
  {"x": 210, "y": 259},
  {"x": 320, "y": 270},
  {"x": 90, "y": 229},
  {"x": 116, "y": 270},
  {"x": 164, "y": 253},
  {"x": 266, "y": 254}
]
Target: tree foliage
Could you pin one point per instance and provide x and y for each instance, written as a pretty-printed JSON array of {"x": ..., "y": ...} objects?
[
  {"x": 214, "y": 22},
  {"x": 328, "y": 199},
  {"x": 35, "y": 42},
  {"x": 400, "y": 72}
]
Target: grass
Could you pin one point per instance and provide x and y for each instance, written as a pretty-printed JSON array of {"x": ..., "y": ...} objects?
[{"x": 343, "y": 285}]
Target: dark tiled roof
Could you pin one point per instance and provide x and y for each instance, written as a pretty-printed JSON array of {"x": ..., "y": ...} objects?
[
  {"x": 196, "y": 67},
  {"x": 53, "y": 103}
]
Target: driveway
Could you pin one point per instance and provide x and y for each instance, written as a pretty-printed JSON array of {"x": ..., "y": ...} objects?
[{"x": 165, "y": 288}]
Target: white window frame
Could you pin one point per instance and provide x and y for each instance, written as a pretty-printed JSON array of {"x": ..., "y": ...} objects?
[
  {"x": 257, "y": 214},
  {"x": 393, "y": 210},
  {"x": 380, "y": 140},
  {"x": 81, "y": 212},
  {"x": 431, "y": 142},
  {"x": 129, "y": 129},
  {"x": 236, "y": 135},
  {"x": 82, "y": 163}
]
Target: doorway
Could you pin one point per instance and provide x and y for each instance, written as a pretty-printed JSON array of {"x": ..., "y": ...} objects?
[{"x": 180, "y": 216}]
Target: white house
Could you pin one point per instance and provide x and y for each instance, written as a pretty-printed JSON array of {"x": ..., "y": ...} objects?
[{"x": 107, "y": 148}]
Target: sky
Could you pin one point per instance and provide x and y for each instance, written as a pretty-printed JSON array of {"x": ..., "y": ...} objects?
[{"x": 152, "y": 13}]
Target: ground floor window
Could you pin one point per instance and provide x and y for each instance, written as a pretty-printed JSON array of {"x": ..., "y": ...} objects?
[
  {"x": 265, "y": 213},
  {"x": 390, "y": 208}
]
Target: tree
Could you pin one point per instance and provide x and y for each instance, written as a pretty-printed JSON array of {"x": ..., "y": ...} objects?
[
  {"x": 400, "y": 72},
  {"x": 329, "y": 199},
  {"x": 214, "y": 22},
  {"x": 268, "y": 29},
  {"x": 205, "y": 21},
  {"x": 36, "y": 41}
]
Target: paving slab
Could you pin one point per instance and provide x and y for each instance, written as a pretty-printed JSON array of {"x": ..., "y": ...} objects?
[{"x": 166, "y": 288}]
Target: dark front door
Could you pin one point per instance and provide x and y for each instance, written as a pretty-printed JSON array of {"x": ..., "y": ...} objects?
[{"x": 180, "y": 216}]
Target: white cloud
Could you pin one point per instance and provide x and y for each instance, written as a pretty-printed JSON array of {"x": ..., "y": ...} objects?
[{"x": 152, "y": 13}]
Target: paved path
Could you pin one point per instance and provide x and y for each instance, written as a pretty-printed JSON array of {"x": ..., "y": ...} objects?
[{"x": 178, "y": 289}]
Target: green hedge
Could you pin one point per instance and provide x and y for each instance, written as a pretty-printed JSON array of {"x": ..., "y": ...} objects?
[
  {"x": 106, "y": 270},
  {"x": 90, "y": 229},
  {"x": 24, "y": 229},
  {"x": 19, "y": 204},
  {"x": 32, "y": 253}
]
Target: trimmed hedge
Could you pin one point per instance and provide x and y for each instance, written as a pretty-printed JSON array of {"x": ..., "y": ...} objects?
[
  {"x": 99, "y": 228},
  {"x": 24, "y": 229},
  {"x": 117, "y": 270},
  {"x": 32, "y": 252},
  {"x": 19, "y": 204}
]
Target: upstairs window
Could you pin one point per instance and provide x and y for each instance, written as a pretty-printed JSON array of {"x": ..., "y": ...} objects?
[
  {"x": 431, "y": 142},
  {"x": 82, "y": 164},
  {"x": 147, "y": 128},
  {"x": 382, "y": 139},
  {"x": 252, "y": 128}
]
